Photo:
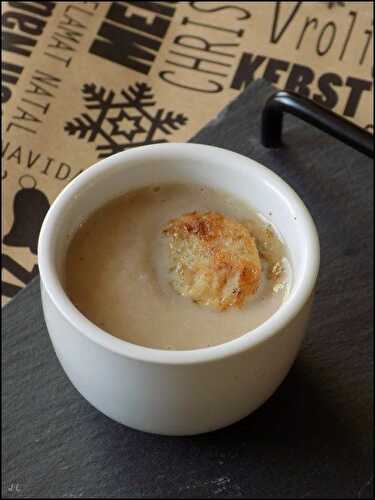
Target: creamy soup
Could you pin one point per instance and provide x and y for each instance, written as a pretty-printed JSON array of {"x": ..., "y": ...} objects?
[{"x": 117, "y": 270}]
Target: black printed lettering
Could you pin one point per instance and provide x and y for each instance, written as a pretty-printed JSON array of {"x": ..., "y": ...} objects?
[
  {"x": 58, "y": 44},
  {"x": 30, "y": 162},
  {"x": 47, "y": 166},
  {"x": 273, "y": 67},
  {"x": 17, "y": 44},
  {"x": 239, "y": 32},
  {"x": 20, "y": 24},
  {"x": 68, "y": 34},
  {"x": 46, "y": 78},
  {"x": 158, "y": 27},
  {"x": 328, "y": 96},
  {"x": 16, "y": 154},
  {"x": 6, "y": 94},
  {"x": 17, "y": 125},
  {"x": 9, "y": 74},
  {"x": 24, "y": 116},
  {"x": 34, "y": 88},
  {"x": 308, "y": 22},
  {"x": 27, "y": 24},
  {"x": 43, "y": 9},
  {"x": 245, "y": 14},
  {"x": 367, "y": 44},
  {"x": 43, "y": 107},
  {"x": 300, "y": 77},
  {"x": 63, "y": 171},
  {"x": 246, "y": 70},
  {"x": 357, "y": 88},
  {"x": 214, "y": 88},
  {"x": 350, "y": 31},
  {"x": 125, "y": 47},
  {"x": 65, "y": 60},
  {"x": 197, "y": 63},
  {"x": 202, "y": 44},
  {"x": 157, "y": 7},
  {"x": 4, "y": 149},
  {"x": 135, "y": 38},
  {"x": 71, "y": 22},
  {"x": 275, "y": 34},
  {"x": 323, "y": 51}
]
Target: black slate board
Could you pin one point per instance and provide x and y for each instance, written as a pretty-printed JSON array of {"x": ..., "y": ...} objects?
[{"x": 312, "y": 439}]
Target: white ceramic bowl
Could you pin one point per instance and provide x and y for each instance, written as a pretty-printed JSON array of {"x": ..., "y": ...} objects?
[{"x": 177, "y": 392}]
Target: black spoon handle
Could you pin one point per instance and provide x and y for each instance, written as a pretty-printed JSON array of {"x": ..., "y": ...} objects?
[{"x": 309, "y": 111}]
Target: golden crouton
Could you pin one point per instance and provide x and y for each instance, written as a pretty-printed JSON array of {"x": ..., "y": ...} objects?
[
  {"x": 214, "y": 259},
  {"x": 269, "y": 247}
]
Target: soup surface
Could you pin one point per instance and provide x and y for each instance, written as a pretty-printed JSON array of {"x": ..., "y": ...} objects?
[{"x": 118, "y": 270}]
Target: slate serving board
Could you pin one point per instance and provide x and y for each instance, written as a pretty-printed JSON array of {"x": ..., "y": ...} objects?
[{"x": 312, "y": 439}]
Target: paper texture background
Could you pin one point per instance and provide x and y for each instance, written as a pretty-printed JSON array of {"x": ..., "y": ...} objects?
[{"x": 84, "y": 80}]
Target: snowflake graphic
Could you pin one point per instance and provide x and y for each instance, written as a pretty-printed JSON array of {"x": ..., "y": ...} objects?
[{"x": 124, "y": 122}]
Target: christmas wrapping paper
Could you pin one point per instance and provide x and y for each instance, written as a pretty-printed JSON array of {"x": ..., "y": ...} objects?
[{"x": 83, "y": 80}]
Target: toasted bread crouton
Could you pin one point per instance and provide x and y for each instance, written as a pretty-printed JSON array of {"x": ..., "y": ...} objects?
[{"x": 213, "y": 259}]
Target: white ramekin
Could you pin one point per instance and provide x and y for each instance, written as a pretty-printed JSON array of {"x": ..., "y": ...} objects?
[{"x": 177, "y": 392}]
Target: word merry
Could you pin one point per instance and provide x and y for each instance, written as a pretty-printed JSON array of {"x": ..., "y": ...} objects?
[{"x": 132, "y": 33}]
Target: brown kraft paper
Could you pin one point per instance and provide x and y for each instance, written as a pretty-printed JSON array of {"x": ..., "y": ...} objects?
[{"x": 83, "y": 80}]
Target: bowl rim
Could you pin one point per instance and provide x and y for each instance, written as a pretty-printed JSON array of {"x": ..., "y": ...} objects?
[{"x": 302, "y": 290}]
